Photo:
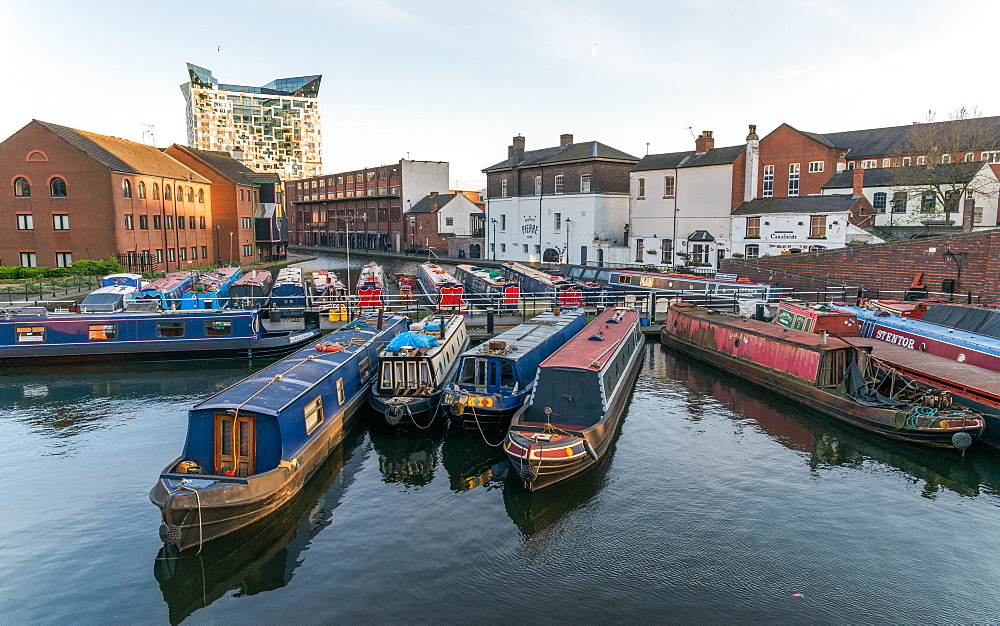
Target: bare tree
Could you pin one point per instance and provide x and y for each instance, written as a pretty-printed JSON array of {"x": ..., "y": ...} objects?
[{"x": 946, "y": 162}]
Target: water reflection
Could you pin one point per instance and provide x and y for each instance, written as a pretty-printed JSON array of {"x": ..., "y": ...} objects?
[
  {"x": 824, "y": 443},
  {"x": 263, "y": 556},
  {"x": 471, "y": 463},
  {"x": 533, "y": 512},
  {"x": 409, "y": 458}
]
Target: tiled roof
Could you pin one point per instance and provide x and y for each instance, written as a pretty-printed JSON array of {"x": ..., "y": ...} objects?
[
  {"x": 677, "y": 160},
  {"x": 584, "y": 151},
  {"x": 898, "y": 140},
  {"x": 123, "y": 156},
  {"x": 263, "y": 177},
  {"x": 837, "y": 203},
  {"x": 223, "y": 163},
  {"x": 432, "y": 204},
  {"x": 908, "y": 176}
]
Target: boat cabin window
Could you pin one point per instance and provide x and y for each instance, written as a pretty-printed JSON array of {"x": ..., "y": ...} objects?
[
  {"x": 506, "y": 374},
  {"x": 386, "y": 375},
  {"x": 625, "y": 280},
  {"x": 314, "y": 414},
  {"x": 101, "y": 332},
  {"x": 234, "y": 444},
  {"x": 219, "y": 328},
  {"x": 364, "y": 368},
  {"x": 411, "y": 374},
  {"x": 169, "y": 329},
  {"x": 340, "y": 391},
  {"x": 30, "y": 334},
  {"x": 403, "y": 375}
]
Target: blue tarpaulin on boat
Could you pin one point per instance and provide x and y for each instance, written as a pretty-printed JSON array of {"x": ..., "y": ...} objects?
[{"x": 414, "y": 340}]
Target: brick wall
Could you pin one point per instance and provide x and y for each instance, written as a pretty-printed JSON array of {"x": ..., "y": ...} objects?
[
  {"x": 886, "y": 267},
  {"x": 786, "y": 145}
]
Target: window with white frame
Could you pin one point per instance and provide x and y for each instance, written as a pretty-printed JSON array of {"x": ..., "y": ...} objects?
[
  {"x": 25, "y": 221},
  {"x": 171, "y": 254},
  {"x": 921, "y": 160},
  {"x": 538, "y": 185},
  {"x": 557, "y": 221},
  {"x": 669, "y": 187},
  {"x": 248, "y": 249},
  {"x": 60, "y": 221},
  {"x": 585, "y": 183},
  {"x": 503, "y": 247},
  {"x": 503, "y": 188},
  {"x": 667, "y": 251},
  {"x": 768, "y": 181},
  {"x": 899, "y": 202},
  {"x": 969, "y": 157},
  {"x": 886, "y": 162},
  {"x": 793, "y": 179},
  {"x": 245, "y": 223},
  {"x": 641, "y": 191},
  {"x": 753, "y": 228},
  {"x": 906, "y": 161},
  {"x": 946, "y": 158},
  {"x": 449, "y": 221},
  {"x": 558, "y": 184},
  {"x": 28, "y": 259},
  {"x": 700, "y": 253},
  {"x": 159, "y": 255},
  {"x": 879, "y": 201},
  {"x": 128, "y": 221},
  {"x": 816, "y": 166},
  {"x": 752, "y": 250},
  {"x": 64, "y": 259},
  {"x": 869, "y": 164},
  {"x": 850, "y": 165},
  {"x": 991, "y": 156}
]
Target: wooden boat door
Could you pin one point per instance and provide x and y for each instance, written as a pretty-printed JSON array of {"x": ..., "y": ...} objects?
[
  {"x": 481, "y": 380},
  {"x": 235, "y": 444}
]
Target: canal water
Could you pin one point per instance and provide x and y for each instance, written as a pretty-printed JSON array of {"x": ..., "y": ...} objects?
[{"x": 719, "y": 502}]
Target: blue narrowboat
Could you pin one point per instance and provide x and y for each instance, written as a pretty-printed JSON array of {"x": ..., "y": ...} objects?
[
  {"x": 288, "y": 293},
  {"x": 442, "y": 289},
  {"x": 495, "y": 378},
  {"x": 35, "y": 336},
  {"x": 489, "y": 287},
  {"x": 211, "y": 290},
  {"x": 134, "y": 281},
  {"x": 562, "y": 290},
  {"x": 252, "y": 447},
  {"x": 168, "y": 290}
]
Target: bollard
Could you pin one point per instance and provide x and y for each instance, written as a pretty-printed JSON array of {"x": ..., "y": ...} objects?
[
  {"x": 489, "y": 321},
  {"x": 274, "y": 316},
  {"x": 311, "y": 320}
]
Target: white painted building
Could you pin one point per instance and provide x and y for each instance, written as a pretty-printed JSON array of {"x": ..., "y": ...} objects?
[
  {"x": 563, "y": 203},
  {"x": 905, "y": 196},
  {"x": 681, "y": 202},
  {"x": 774, "y": 226}
]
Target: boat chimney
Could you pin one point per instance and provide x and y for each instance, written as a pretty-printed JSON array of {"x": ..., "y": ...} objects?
[
  {"x": 378, "y": 325},
  {"x": 822, "y": 338}
]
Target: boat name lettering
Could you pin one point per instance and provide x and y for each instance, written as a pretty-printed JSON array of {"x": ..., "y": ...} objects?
[{"x": 886, "y": 336}]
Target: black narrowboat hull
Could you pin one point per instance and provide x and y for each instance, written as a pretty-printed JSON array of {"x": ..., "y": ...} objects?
[
  {"x": 873, "y": 419},
  {"x": 474, "y": 420},
  {"x": 403, "y": 413},
  {"x": 535, "y": 476},
  {"x": 267, "y": 346},
  {"x": 192, "y": 517}
]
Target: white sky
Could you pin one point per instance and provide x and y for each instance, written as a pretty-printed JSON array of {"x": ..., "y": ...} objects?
[{"x": 455, "y": 80}]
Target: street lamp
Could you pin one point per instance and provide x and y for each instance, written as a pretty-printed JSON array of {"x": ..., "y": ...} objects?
[
  {"x": 230, "y": 249},
  {"x": 958, "y": 258},
  {"x": 493, "y": 244},
  {"x": 568, "y": 222},
  {"x": 218, "y": 252}
]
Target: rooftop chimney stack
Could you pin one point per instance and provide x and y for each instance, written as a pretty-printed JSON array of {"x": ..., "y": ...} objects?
[
  {"x": 704, "y": 142},
  {"x": 237, "y": 153},
  {"x": 518, "y": 149},
  {"x": 859, "y": 181},
  {"x": 752, "y": 165},
  {"x": 565, "y": 139}
]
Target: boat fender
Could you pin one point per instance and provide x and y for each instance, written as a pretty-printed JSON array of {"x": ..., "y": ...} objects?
[
  {"x": 590, "y": 449},
  {"x": 457, "y": 409},
  {"x": 961, "y": 440}
]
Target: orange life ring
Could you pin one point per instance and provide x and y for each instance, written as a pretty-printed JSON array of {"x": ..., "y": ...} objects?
[{"x": 326, "y": 346}]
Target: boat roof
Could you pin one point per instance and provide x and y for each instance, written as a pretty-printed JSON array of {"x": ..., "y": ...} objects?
[
  {"x": 581, "y": 352},
  {"x": 527, "y": 336},
  {"x": 533, "y": 273},
  {"x": 764, "y": 329},
  {"x": 483, "y": 274},
  {"x": 702, "y": 279},
  {"x": 294, "y": 375},
  {"x": 289, "y": 274},
  {"x": 169, "y": 282},
  {"x": 451, "y": 324},
  {"x": 253, "y": 276},
  {"x": 437, "y": 273}
]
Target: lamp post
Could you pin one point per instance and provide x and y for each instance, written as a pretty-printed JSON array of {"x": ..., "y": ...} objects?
[
  {"x": 958, "y": 258},
  {"x": 568, "y": 222},
  {"x": 493, "y": 243},
  {"x": 218, "y": 252},
  {"x": 230, "y": 249}
]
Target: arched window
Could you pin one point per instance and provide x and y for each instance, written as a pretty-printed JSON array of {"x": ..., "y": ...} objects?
[
  {"x": 180, "y": 193},
  {"x": 22, "y": 188},
  {"x": 57, "y": 187},
  {"x": 156, "y": 191},
  {"x": 201, "y": 196},
  {"x": 190, "y": 194},
  {"x": 126, "y": 188},
  {"x": 166, "y": 192},
  {"x": 141, "y": 190}
]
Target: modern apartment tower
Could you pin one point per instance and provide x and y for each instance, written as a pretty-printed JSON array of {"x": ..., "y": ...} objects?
[{"x": 276, "y": 127}]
